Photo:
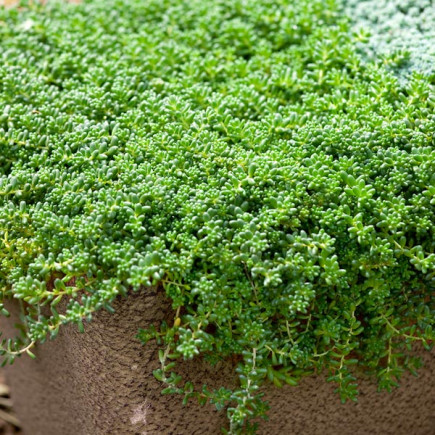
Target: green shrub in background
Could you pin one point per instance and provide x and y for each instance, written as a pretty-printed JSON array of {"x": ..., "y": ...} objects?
[{"x": 238, "y": 154}]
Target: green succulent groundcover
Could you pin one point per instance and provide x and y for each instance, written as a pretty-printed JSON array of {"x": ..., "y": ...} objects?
[{"x": 245, "y": 156}]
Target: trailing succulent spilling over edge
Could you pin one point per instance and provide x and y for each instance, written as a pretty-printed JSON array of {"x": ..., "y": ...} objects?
[{"x": 245, "y": 156}]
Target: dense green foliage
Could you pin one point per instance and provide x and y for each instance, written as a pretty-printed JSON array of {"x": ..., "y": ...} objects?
[
  {"x": 239, "y": 154},
  {"x": 392, "y": 26}
]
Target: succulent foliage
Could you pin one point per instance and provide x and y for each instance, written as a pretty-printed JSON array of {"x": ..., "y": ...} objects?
[
  {"x": 391, "y": 27},
  {"x": 241, "y": 155}
]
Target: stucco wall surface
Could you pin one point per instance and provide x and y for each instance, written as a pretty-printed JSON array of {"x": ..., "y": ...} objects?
[{"x": 101, "y": 382}]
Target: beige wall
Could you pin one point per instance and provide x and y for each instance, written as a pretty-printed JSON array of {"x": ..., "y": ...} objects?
[
  {"x": 10, "y": 3},
  {"x": 100, "y": 383}
]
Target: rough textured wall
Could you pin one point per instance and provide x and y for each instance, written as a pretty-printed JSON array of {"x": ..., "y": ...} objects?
[{"x": 100, "y": 382}]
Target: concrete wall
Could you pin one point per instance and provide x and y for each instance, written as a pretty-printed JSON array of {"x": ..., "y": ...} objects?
[{"x": 101, "y": 382}]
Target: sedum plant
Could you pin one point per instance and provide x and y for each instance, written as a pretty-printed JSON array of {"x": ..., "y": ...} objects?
[
  {"x": 397, "y": 25},
  {"x": 240, "y": 155}
]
